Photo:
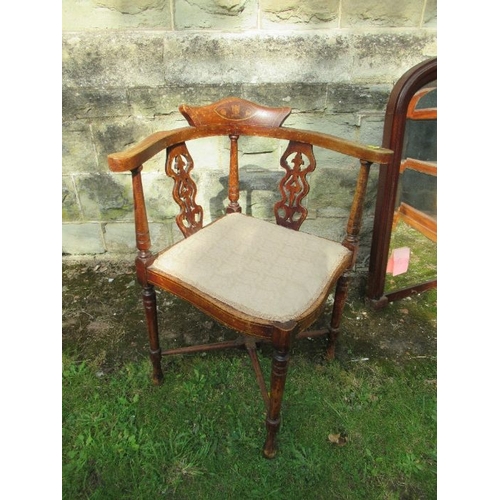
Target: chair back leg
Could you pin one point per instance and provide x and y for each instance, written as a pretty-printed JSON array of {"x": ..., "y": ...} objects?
[
  {"x": 149, "y": 300},
  {"x": 338, "y": 309}
]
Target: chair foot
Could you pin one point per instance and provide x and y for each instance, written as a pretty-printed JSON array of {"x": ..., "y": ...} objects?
[
  {"x": 330, "y": 353},
  {"x": 157, "y": 376},
  {"x": 270, "y": 448},
  {"x": 269, "y": 454}
]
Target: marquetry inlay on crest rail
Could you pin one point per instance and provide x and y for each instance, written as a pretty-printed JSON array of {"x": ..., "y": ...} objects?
[
  {"x": 298, "y": 161},
  {"x": 178, "y": 167},
  {"x": 233, "y": 109}
]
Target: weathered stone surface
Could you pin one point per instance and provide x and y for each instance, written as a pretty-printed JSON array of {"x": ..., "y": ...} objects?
[
  {"x": 238, "y": 15},
  {"x": 390, "y": 13},
  {"x": 90, "y": 103},
  {"x": 251, "y": 146},
  {"x": 201, "y": 93},
  {"x": 81, "y": 239},
  {"x": 70, "y": 207},
  {"x": 342, "y": 124},
  {"x": 349, "y": 98},
  {"x": 224, "y": 58},
  {"x": 394, "y": 52},
  {"x": 78, "y": 151},
  {"x": 125, "y": 72},
  {"x": 158, "y": 191},
  {"x": 130, "y": 6},
  {"x": 119, "y": 237},
  {"x": 135, "y": 59},
  {"x": 113, "y": 59},
  {"x": 290, "y": 13},
  {"x": 371, "y": 127},
  {"x": 259, "y": 190},
  {"x": 154, "y": 101},
  {"x": 111, "y": 136},
  {"x": 302, "y": 58},
  {"x": 209, "y": 153},
  {"x": 335, "y": 228},
  {"x": 301, "y": 97},
  {"x": 163, "y": 234},
  {"x": 430, "y": 14},
  {"x": 260, "y": 204},
  {"x": 116, "y": 14},
  {"x": 378, "y": 48},
  {"x": 332, "y": 191},
  {"x": 165, "y": 100},
  {"x": 332, "y": 188},
  {"x": 331, "y": 228},
  {"x": 216, "y": 14},
  {"x": 212, "y": 192},
  {"x": 105, "y": 197}
]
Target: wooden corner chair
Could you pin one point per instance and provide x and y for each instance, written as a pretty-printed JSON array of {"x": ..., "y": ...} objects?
[{"x": 267, "y": 281}]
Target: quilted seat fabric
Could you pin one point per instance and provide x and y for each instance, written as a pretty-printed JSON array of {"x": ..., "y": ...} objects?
[{"x": 257, "y": 267}]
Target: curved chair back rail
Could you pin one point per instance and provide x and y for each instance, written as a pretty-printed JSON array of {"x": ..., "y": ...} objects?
[{"x": 145, "y": 150}]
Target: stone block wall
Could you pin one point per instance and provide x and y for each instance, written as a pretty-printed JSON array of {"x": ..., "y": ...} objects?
[{"x": 128, "y": 64}]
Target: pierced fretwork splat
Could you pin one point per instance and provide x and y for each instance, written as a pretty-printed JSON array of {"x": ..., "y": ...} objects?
[
  {"x": 178, "y": 167},
  {"x": 298, "y": 160}
]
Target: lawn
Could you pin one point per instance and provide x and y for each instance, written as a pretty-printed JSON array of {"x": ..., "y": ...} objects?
[{"x": 200, "y": 434}]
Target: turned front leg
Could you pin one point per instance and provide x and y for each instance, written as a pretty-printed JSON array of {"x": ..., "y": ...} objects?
[
  {"x": 278, "y": 378},
  {"x": 149, "y": 300}
]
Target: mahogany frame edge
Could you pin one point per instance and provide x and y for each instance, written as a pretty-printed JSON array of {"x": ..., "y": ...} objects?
[{"x": 394, "y": 128}]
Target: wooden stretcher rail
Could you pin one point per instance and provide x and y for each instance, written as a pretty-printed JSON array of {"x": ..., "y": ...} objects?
[{"x": 426, "y": 167}]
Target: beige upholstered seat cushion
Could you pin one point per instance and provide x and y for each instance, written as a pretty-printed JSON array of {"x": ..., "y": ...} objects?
[{"x": 257, "y": 267}]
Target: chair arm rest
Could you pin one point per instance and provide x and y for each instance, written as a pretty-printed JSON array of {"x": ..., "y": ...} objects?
[
  {"x": 135, "y": 156},
  {"x": 373, "y": 154}
]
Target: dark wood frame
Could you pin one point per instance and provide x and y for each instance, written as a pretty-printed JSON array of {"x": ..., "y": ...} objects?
[
  {"x": 394, "y": 130},
  {"x": 412, "y": 216}
]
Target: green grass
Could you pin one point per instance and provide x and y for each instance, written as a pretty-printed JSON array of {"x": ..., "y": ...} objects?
[
  {"x": 423, "y": 259},
  {"x": 200, "y": 434}
]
